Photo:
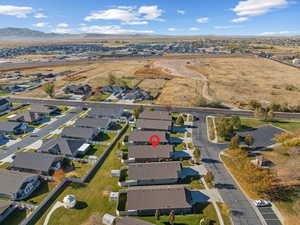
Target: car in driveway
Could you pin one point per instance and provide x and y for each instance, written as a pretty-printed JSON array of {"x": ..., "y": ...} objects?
[{"x": 262, "y": 203}]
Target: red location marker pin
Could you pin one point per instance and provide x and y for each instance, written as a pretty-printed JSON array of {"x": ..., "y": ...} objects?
[{"x": 154, "y": 140}]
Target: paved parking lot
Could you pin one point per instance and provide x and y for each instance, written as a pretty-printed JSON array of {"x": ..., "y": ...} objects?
[
  {"x": 263, "y": 136},
  {"x": 269, "y": 216}
]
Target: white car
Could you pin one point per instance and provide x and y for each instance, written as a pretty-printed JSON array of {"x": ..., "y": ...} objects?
[{"x": 262, "y": 203}]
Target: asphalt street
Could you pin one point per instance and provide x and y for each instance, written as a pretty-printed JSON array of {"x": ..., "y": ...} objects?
[
  {"x": 242, "y": 211},
  {"x": 30, "y": 139},
  {"x": 211, "y": 111}
]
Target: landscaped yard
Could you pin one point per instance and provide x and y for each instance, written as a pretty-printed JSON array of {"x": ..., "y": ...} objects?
[
  {"x": 101, "y": 98},
  {"x": 205, "y": 210},
  {"x": 80, "y": 169},
  {"x": 105, "y": 136},
  {"x": 38, "y": 196},
  {"x": 93, "y": 197},
  {"x": 95, "y": 150},
  {"x": 15, "y": 218},
  {"x": 4, "y": 117}
]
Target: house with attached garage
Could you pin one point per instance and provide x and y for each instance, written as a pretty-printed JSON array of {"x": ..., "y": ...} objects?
[
  {"x": 101, "y": 124},
  {"x": 17, "y": 185},
  {"x": 143, "y": 137},
  {"x": 38, "y": 163},
  {"x": 155, "y": 173},
  {"x": 65, "y": 147},
  {"x": 7, "y": 128},
  {"x": 153, "y": 125},
  {"x": 146, "y": 200},
  {"x": 79, "y": 133},
  {"x": 27, "y": 117},
  {"x": 155, "y": 115},
  {"x": 44, "y": 110},
  {"x": 6, "y": 208},
  {"x": 112, "y": 112},
  {"x": 146, "y": 153}
]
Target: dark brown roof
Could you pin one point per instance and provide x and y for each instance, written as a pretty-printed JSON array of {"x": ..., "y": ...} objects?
[
  {"x": 158, "y": 197},
  {"x": 153, "y": 124},
  {"x": 131, "y": 221},
  {"x": 144, "y": 136},
  {"x": 156, "y": 170},
  {"x": 155, "y": 115},
  {"x": 148, "y": 152}
]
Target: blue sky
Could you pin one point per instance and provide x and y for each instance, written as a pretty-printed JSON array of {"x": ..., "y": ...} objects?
[{"x": 176, "y": 17}]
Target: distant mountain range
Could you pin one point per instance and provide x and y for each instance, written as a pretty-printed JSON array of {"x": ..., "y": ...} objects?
[{"x": 18, "y": 34}]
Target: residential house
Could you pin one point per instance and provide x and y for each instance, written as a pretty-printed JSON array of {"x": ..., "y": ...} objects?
[
  {"x": 114, "y": 89},
  {"x": 112, "y": 112},
  {"x": 81, "y": 133},
  {"x": 85, "y": 90},
  {"x": 100, "y": 124},
  {"x": 6, "y": 208},
  {"x": 155, "y": 173},
  {"x": 160, "y": 125},
  {"x": 65, "y": 147},
  {"x": 144, "y": 201},
  {"x": 143, "y": 137},
  {"x": 155, "y": 115},
  {"x": 146, "y": 153},
  {"x": 4, "y": 105},
  {"x": 17, "y": 185},
  {"x": 7, "y": 128},
  {"x": 27, "y": 117},
  {"x": 35, "y": 162},
  {"x": 44, "y": 110}
]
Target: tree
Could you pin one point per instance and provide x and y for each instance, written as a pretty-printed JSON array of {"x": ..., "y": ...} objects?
[
  {"x": 236, "y": 122},
  {"x": 209, "y": 177},
  {"x": 225, "y": 128},
  {"x": 172, "y": 217},
  {"x": 111, "y": 79},
  {"x": 205, "y": 221},
  {"x": 249, "y": 140},
  {"x": 235, "y": 142},
  {"x": 157, "y": 215},
  {"x": 49, "y": 89},
  {"x": 270, "y": 115},
  {"x": 259, "y": 113},
  {"x": 137, "y": 111},
  {"x": 254, "y": 104},
  {"x": 180, "y": 121},
  {"x": 197, "y": 155}
]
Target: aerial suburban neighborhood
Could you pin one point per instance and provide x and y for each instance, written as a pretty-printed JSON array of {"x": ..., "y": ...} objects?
[{"x": 149, "y": 112}]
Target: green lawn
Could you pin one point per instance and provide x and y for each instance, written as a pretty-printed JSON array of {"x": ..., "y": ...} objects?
[
  {"x": 81, "y": 169},
  {"x": 15, "y": 218},
  {"x": 106, "y": 136},
  {"x": 38, "y": 196},
  {"x": 180, "y": 146},
  {"x": 95, "y": 150},
  {"x": 4, "y": 165},
  {"x": 93, "y": 197},
  {"x": 196, "y": 184},
  {"x": 206, "y": 210},
  {"x": 290, "y": 125},
  {"x": 100, "y": 98}
]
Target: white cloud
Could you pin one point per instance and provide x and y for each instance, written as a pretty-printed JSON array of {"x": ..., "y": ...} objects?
[
  {"x": 180, "y": 12},
  {"x": 41, "y": 24},
  {"x": 194, "y": 28},
  {"x": 240, "y": 20},
  {"x": 64, "y": 25},
  {"x": 128, "y": 15},
  {"x": 113, "y": 30},
  {"x": 17, "y": 11},
  {"x": 62, "y": 31},
  {"x": 203, "y": 20},
  {"x": 258, "y": 7},
  {"x": 151, "y": 12},
  {"x": 226, "y": 27},
  {"x": 40, "y": 16},
  {"x": 172, "y": 29}
]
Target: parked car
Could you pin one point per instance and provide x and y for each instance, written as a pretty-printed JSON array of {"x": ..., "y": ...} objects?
[{"x": 262, "y": 203}]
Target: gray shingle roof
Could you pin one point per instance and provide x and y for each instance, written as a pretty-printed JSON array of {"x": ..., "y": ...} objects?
[
  {"x": 11, "y": 181},
  {"x": 158, "y": 197},
  {"x": 93, "y": 122},
  {"x": 34, "y": 161},
  {"x": 78, "y": 132},
  {"x": 63, "y": 145},
  {"x": 131, "y": 221},
  {"x": 147, "y": 151},
  {"x": 43, "y": 108},
  {"x": 156, "y": 170},
  {"x": 155, "y": 115},
  {"x": 3, "y": 101},
  {"x": 154, "y": 124},
  {"x": 106, "y": 111},
  {"x": 9, "y": 126},
  {"x": 27, "y": 116},
  {"x": 144, "y": 136}
]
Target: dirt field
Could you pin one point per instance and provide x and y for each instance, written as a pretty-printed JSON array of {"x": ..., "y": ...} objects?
[{"x": 232, "y": 79}]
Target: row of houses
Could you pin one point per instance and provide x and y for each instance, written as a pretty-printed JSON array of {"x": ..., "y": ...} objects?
[{"x": 153, "y": 175}]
